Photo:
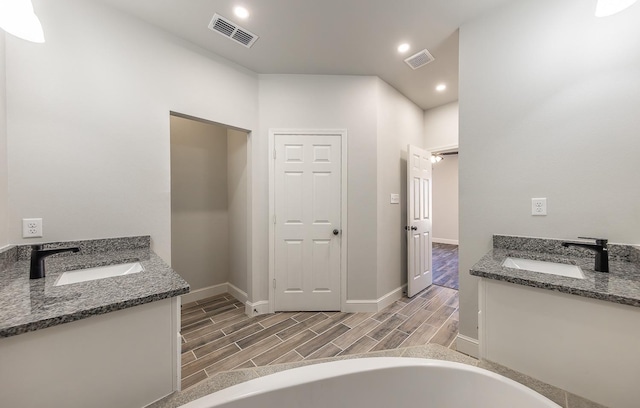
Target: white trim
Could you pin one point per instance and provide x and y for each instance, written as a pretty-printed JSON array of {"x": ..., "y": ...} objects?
[
  {"x": 204, "y": 293},
  {"x": 445, "y": 241},
  {"x": 468, "y": 345},
  {"x": 176, "y": 372},
  {"x": 237, "y": 292},
  {"x": 256, "y": 308},
  {"x": 374, "y": 306},
  {"x": 214, "y": 290},
  {"x": 443, "y": 149},
  {"x": 392, "y": 296},
  {"x": 360, "y": 306},
  {"x": 343, "y": 210}
]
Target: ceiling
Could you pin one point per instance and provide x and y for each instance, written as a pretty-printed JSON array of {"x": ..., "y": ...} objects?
[{"x": 332, "y": 37}]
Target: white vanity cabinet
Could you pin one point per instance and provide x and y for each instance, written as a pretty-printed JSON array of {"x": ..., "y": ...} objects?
[{"x": 585, "y": 346}]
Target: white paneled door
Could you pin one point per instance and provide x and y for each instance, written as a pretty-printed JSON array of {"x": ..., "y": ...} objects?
[
  {"x": 418, "y": 220},
  {"x": 307, "y": 204}
]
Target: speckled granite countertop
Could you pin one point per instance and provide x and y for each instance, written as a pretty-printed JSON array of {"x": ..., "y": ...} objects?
[
  {"x": 620, "y": 285},
  {"x": 28, "y": 305}
]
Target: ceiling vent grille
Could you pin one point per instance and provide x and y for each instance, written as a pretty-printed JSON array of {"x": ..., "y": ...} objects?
[
  {"x": 420, "y": 59},
  {"x": 233, "y": 31}
]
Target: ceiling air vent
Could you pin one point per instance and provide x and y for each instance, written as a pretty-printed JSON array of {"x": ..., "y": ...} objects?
[
  {"x": 420, "y": 59},
  {"x": 233, "y": 31}
]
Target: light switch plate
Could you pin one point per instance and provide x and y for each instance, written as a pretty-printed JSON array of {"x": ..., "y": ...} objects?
[
  {"x": 395, "y": 198},
  {"x": 538, "y": 206}
]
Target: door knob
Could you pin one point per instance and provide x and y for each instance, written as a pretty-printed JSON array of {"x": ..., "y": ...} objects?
[
  {"x": 336, "y": 232},
  {"x": 414, "y": 228}
]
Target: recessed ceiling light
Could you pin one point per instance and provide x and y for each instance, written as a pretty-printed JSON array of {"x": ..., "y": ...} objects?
[
  {"x": 441, "y": 87},
  {"x": 403, "y": 47},
  {"x": 241, "y": 12}
]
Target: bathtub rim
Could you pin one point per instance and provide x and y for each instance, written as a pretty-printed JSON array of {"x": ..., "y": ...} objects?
[{"x": 316, "y": 372}]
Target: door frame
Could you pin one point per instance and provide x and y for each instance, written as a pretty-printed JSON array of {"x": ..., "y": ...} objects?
[{"x": 343, "y": 206}]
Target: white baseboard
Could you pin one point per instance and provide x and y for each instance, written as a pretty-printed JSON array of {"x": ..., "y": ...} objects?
[
  {"x": 391, "y": 297},
  {"x": 374, "y": 306},
  {"x": 237, "y": 292},
  {"x": 256, "y": 308},
  {"x": 360, "y": 306},
  {"x": 204, "y": 293},
  {"x": 214, "y": 290},
  {"x": 468, "y": 345},
  {"x": 445, "y": 241}
]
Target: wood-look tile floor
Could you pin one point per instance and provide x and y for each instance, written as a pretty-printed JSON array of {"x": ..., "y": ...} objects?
[
  {"x": 445, "y": 265},
  {"x": 217, "y": 335}
]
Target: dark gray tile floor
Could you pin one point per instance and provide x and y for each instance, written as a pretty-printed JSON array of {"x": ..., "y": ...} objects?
[
  {"x": 217, "y": 336},
  {"x": 445, "y": 265}
]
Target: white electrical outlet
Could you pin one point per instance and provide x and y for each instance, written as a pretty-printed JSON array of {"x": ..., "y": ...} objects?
[
  {"x": 538, "y": 206},
  {"x": 31, "y": 227}
]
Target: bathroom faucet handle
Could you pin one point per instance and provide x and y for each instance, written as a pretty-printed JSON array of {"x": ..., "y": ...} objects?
[{"x": 599, "y": 241}]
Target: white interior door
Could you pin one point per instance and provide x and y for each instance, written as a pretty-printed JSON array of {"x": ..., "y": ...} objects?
[
  {"x": 418, "y": 220},
  {"x": 307, "y": 206}
]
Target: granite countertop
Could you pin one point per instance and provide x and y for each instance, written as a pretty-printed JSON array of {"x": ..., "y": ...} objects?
[
  {"x": 28, "y": 305},
  {"x": 620, "y": 285}
]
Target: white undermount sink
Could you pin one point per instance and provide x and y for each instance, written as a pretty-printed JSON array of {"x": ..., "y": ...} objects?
[
  {"x": 100, "y": 272},
  {"x": 553, "y": 268}
]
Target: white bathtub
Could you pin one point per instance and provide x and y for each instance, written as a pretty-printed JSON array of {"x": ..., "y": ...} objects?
[{"x": 378, "y": 382}]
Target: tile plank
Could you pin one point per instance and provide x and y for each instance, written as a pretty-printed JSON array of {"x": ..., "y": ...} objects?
[
  {"x": 263, "y": 334},
  {"x": 284, "y": 348},
  {"x": 420, "y": 336},
  {"x": 363, "y": 345},
  {"x": 446, "y": 334},
  {"x": 388, "y": 311},
  {"x": 189, "y": 336},
  {"x": 209, "y": 359},
  {"x": 226, "y": 340},
  {"x": 195, "y": 325},
  {"x": 386, "y": 327},
  {"x": 412, "y": 307},
  {"x": 193, "y": 379},
  {"x": 356, "y": 319},
  {"x": 415, "y": 321},
  {"x": 187, "y": 358},
  {"x": 277, "y": 318},
  {"x": 243, "y": 356},
  {"x": 440, "y": 316},
  {"x": 290, "y": 357},
  {"x": 202, "y": 340},
  {"x": 300, "y": 327},
  {"x": 355, "y": 333},
  {"x": 315, "y": 344},
  {"x": 328, "y": 350},
  {"x": 393, "y": 340},
  {"x": 330, "y": 322}
]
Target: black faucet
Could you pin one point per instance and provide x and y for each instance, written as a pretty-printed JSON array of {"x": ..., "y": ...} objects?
[
  {"x": 600, "y": 248},
  {"x": 37, "y": 259}
]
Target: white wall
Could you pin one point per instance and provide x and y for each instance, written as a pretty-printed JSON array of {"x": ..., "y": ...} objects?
[
  {"x": 199, "y": 208},
  {"x": 330, "y": 102},
  {"x": 400, "y": 123},
  {"x": 237, "y": 207},
  {"x": 91, "y": 105},
  {"x": 549, "y": 102},
  {"x": 445, "y": 200},
  {"x": 4, "y": 194},
  {"x": 441, "y": 133},
  {"x": 441, "y": 127}
]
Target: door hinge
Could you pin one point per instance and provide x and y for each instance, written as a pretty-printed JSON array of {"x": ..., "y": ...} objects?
[
  {"x": 274, "y": 219},
  {"x": 274, "y": 283},
  {"x": 274, "y": 153}
]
